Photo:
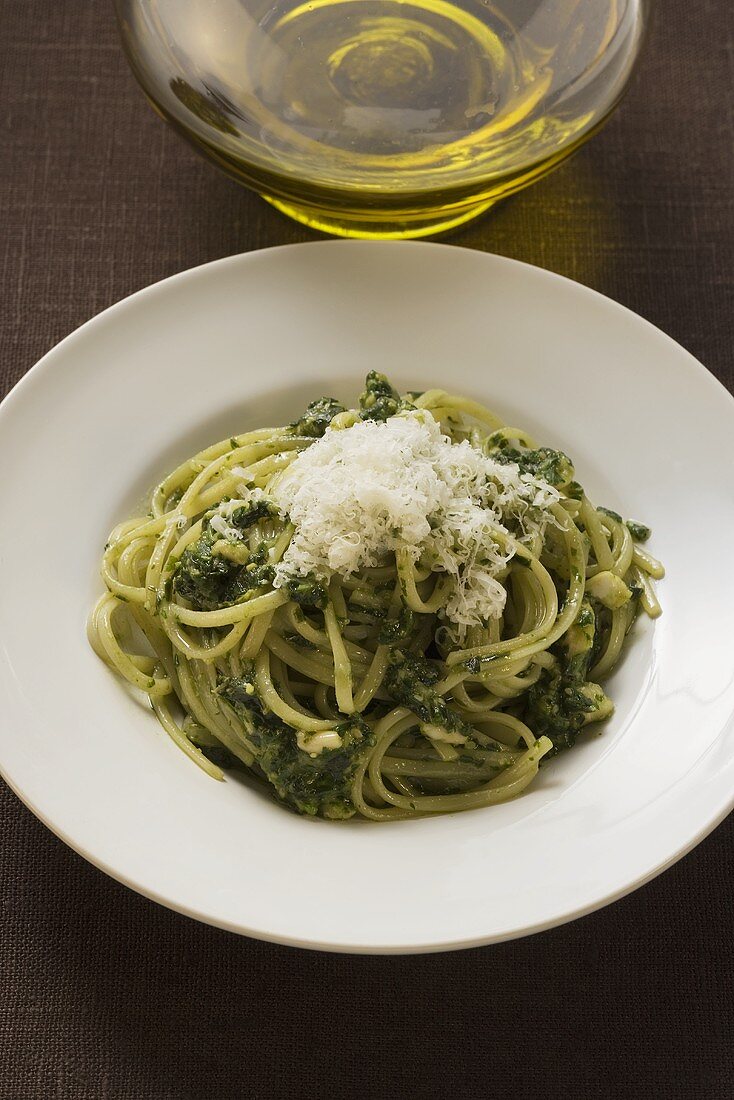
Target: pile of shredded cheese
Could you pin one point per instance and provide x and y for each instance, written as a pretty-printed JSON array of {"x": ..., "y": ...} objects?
[{"x": 361, "y": 493}]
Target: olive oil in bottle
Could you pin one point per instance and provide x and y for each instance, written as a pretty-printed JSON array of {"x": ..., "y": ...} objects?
[{"x": 385, "y": 117}]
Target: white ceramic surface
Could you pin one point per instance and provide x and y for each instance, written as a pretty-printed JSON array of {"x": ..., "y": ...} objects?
[{"x": 247, "y": 341}]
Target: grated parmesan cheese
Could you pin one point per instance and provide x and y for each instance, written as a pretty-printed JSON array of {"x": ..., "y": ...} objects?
[
  {"x": 218, "y": 522},
  {"x": 359, "y": 494}
]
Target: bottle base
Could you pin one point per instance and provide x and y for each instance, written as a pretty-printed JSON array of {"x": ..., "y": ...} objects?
[{"x": 383, "y": 225}]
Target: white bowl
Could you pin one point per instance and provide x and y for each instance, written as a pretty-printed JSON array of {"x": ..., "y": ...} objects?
[{"x": 248, "y": 341}]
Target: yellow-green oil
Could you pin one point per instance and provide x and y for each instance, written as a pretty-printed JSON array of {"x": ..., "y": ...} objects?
[{"x": 389, "y": 118}]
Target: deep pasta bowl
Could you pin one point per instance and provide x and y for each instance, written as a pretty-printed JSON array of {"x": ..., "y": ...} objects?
[{"x": 248, "y": 341}]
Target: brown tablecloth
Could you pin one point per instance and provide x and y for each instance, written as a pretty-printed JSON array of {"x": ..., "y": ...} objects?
[{"x": 104, "y": 994}]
